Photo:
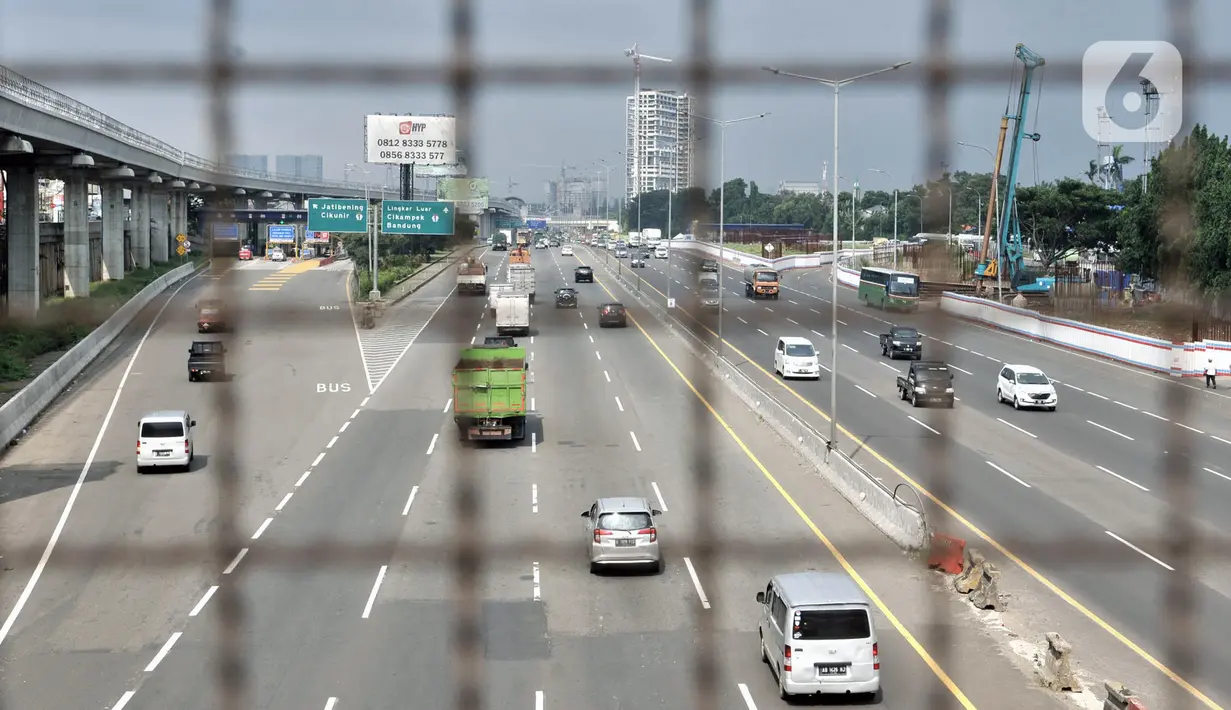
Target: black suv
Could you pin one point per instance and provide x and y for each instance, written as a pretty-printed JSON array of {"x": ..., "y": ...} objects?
[
  {"x": 583, "y": 274},
  {"x": 709, "y": 265},
  {"x": 612, "y": 314},
  {"x": 566, "y": 297}
]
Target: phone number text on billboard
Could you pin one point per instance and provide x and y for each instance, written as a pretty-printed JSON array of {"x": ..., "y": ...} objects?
[{"x": 403, "y": 140}]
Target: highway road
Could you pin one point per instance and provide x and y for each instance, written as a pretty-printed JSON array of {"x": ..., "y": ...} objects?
[
  {"x": 82, "y": 634},
  {"x": 1093, "y": 471},
  {"x": 616, "y": 412}
]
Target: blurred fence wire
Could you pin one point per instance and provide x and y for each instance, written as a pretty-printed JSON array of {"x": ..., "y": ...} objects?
[{"x": 939, "y": 73}]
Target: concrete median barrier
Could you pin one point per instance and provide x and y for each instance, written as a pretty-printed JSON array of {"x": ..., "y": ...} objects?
[
  {"x": 900, "y": 520},
  {"x": 1056, "y": 670},
  {"x": 26, "y": 405},
  {"x": 986, "y": 594}
]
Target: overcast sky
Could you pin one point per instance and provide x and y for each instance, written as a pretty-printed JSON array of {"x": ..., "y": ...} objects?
[{"x": 882, "y": 126}]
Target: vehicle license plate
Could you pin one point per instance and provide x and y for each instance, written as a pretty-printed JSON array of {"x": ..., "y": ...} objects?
[{"x": 625, "y": 543}]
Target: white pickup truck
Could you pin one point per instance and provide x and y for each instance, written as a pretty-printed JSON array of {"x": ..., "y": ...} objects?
[
  {"x": 522, "y": 278},
  {"x": 512, "y": 314}
]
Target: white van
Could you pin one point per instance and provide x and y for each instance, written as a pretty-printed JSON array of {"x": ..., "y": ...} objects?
[
  {"x": 817, "y": 635},
  {"x": 660, "y": 252},
  {"x": 164, "y": 439}
]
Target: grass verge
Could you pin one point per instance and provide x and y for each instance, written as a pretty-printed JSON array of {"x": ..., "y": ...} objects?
[{"x": 63, "y": 322}]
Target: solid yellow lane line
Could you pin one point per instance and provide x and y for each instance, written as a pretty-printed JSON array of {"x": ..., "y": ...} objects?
[
  {"x": 1037, "y": 575},
  {"x": 833, "y": 550}
]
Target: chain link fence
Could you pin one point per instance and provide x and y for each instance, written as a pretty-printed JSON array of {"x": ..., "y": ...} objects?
[{"x": 701, "y": 73}]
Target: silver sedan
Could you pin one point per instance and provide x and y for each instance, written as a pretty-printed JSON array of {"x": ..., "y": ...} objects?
[{"x": 621, "y": 531}]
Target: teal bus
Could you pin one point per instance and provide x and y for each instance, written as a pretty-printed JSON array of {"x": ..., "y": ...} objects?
[{"x": 887, "y": 288}]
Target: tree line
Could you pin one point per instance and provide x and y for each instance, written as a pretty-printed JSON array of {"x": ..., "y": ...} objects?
[{"x": 1172, "y": 224}]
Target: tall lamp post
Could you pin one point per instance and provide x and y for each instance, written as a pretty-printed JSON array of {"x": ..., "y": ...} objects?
[
  {"x": 895, "y": 214},
  {"x": 371, "y": 235},
  {"x": 637, "y": 56},
  {"x": 836, "y": 85},
  {"x": 722, "y": 203}
]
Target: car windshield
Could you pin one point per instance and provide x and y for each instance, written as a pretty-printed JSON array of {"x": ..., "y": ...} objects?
[
  {"x": 933, "y": 375},
  {"x": 1032, "y": 378},
  {"x": 904, "y": 285},
  {"x": 709, "y": 287},
  {"x": 800, "y": 351},
  {"x": 832, "y": 625},
  {"x": 764, "y": 276},
  {"x": 624, "y": 521},
  {"x": 905, "y": 333},
  {"x": 613, "y": 308},
  {"x": 162, "y": 430}
]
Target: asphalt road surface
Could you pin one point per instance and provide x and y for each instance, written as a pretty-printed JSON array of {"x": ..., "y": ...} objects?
[
  {"x": 1082, "y": 494},
  {"x": 615, "y": 412}
]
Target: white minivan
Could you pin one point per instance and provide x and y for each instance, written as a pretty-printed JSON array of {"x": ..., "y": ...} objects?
[
  {"x": 164, "y": 440},
  {"x": 795, "y": 357},
  {"x": 817, "y": 635},
  {"x": 660, "y": 251}
]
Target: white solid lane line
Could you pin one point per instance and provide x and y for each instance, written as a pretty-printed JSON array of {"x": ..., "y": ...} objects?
[
  {"x": 1109, "y": 429},
  {"x": 955, "y": 367},
  {"x": 162, "y": 652},
  {"x": 1096, "y": 394},
  {"x": 1189, "y": 428},
  {"x": 1219, "y": 438},
  {"x": 891, "y": 367},
  {"x": 1015, "y": 478},
  {"x": 659, "y": 495},
  {"x": 538, "y": 588},
  {"x": 696, "y": 582},
  {"x": 1127, "y": 406},
  {"x": 1141, "y": 552},
  {"x": 261, "y": 530},
  {"x": 866, "y": 392},
  {"x": 330, "y": 703},
  {"x": 636, "y": 443},
  {"x": 1010, "y": 424},
  {"x": 1152, "y": 414},
  {"x": 925, "y": 426},
  {"x": 849, "y": 348},
  {"x": 204, "y": 600},
  {"x": 1220, "y": 475},
  {"x": 747, "y": 696},
  {"x": 239, "y": 556},
  {"x": 538, "y": 700},
  {"x": 380, "y": 577},
  {"x": 414, "y": 491},
  {"x": 1122, "y": 478},
  {"x": 432, "y": 446},
  {"x": 123, "y": 701}
]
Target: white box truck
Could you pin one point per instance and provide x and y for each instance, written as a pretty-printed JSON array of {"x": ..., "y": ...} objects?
[
  {"x": 651, "y": 237},
  {"x": 522, "y": 278},
  {"x": 634, "y": 239},
  {"x": 494, "y": 291},
  {"x": 512, "y": 314}
]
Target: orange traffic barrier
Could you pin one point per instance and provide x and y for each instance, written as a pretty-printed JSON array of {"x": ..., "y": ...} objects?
[{"x": 946, "y": 553}]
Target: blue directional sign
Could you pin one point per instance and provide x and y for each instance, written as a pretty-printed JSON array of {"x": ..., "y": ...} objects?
[
  {"x": 406, "y": 217},
  {"x": 333, "y": 215},
  {"x": 282, "y": 233},
  {"x": 226, "y": 231},
  {"x": 536, "y": 224}
]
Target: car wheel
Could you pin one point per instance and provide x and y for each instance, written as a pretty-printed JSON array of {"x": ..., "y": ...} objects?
[
  {"x": 659, "y": 566},
  {"x": 764, "y": 652},
  {"x": 884, "y": 351},
  {"x": 914, "y": 400},
  {"x": 593, "y": 568},
  {"x": 1016, "y": 403},
  {"x": 999, "y": 395}
]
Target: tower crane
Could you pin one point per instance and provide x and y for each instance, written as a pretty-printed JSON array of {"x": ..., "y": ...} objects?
[{"x": 1010, "y": 258}]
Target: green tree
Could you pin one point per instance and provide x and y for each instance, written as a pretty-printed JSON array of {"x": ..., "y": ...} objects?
[{"x": 1064, "y": 216}]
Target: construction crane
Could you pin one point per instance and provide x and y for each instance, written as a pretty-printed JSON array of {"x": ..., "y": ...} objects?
[{"x": 1010, "y": 257}]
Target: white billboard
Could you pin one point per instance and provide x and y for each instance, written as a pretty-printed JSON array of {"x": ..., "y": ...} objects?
[
  {"x": 411, "y": 140},
  {"x": 470, "y": 196}
]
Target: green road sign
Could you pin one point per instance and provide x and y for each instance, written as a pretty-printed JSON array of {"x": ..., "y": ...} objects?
[
  {"x": 330, "y": 215},
  {"x": 405, "y": 217}
]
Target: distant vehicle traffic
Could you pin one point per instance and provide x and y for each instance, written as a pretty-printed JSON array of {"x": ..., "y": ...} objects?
[
  {"x": 489, "y": 393},
  {"x": 622, "y": 532},
  {"x": 639, "y": 260},
  {"x": 566, "y": 297},
  {"x": 164, "y": 440},
  {"x": 566, "y": 250},
  {"x": 245, "y": 254},
  {"x": 709, "y": 265},
  {"x": 513, "y": 313},
  {"x": 760, "y": 282},
  {"x": 1025, "y": 387},
  {"x": 889, "y": 289},
  {"x": 660, "y": 252},
  {"x": 211, "y": 316},
  {"x": 276, "y": 254}
]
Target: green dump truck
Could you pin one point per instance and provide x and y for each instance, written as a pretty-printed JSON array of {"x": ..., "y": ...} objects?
[{"x": 489, "y": 393}]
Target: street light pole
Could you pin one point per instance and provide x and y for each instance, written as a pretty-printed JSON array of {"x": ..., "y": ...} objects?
[
  {"x": 895, "y": 214},
  {"x": 836, "y": 85},
  {"x": 722, "y": 207}
]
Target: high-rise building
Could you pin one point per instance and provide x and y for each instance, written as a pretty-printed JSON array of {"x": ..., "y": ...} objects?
[
  {"x": 661, "y": 138},
  {"x": 259, "y": 163},
  {"x": 798, "y": 187},
  {"x": 308, "y": 167}
]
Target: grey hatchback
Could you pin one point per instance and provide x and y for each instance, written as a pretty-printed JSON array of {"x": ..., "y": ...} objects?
[{"x": 621, "y": 531}]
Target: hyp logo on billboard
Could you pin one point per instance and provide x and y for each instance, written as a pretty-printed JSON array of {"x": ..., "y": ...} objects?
[{"x": 1113, "y": 77}]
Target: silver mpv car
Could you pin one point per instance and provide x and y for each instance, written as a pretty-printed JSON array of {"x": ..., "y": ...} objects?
[{"x": 621, "y": 531}]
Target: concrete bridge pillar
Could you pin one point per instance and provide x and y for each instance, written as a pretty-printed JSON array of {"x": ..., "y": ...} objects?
[
  {"x": 23, "y": 261},
  {"x": 114, "y": 214},
  {"x": 140, "y": 225},
  {"x": 159, "y": 228},
  {"x": 76, "y": 236},
  {"x": 181, "y": 213}
]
